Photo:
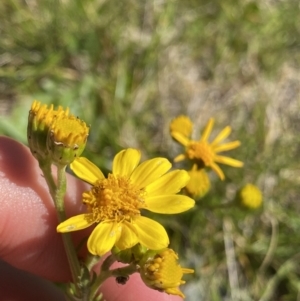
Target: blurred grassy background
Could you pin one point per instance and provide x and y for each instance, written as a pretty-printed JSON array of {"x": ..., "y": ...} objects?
[{"x": 127, "y": 68}]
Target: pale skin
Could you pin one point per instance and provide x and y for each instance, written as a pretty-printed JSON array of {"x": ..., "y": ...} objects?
[{"x": 31, "y": 251}]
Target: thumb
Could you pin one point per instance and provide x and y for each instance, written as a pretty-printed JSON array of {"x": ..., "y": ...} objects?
[{"x": 29, "y": 240}]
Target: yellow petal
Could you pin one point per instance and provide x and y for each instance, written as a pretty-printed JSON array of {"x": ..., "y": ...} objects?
[
  {"x": 207, "y": 130},
  {"x": 180, "y": 138},
  {"x": 226, "y": 146},
  {"x": 169, "y": 183},
  {"x": 103, "y": 238},
  {"x": 75, "y": 223},
  {"x": 126, "y": 161},
  {"x": 215, "y": 167},
  {"x": 228, "y": 161},
  {"x": 86, "y": 170},
  {"x": 222, "y": 135},
  {"x": 174, "y": 291},
  {"x": 169, "y": 204},
  {"x": 179, "y": 158},
  {"x": 187, "y": 271},
  {"x": 128, "y": 237},
  {"x": 149, "y": 171},
  {"x": 150, "y": 233}
]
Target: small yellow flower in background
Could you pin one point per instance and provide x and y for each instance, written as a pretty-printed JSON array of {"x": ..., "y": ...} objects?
[
  {"x": 114, "y": 203},
  {"x": 250, "y": 197},
  {"x": 161, "y": 271},
  {"x": 199, "y": 183},
  {"x": 54, "y": 134},
  {"x": 202, "y": 152},
  {"x": 183, "y": 125}
]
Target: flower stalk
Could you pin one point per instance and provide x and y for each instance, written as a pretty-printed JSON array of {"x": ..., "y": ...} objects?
[
  {"x": 58, "y": 192},
  {"x": 106, "y": 273}
]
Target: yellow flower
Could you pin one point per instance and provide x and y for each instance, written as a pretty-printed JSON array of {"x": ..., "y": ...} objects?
[
  {"x": 54, "y": 134},
  {"x": 114, "y": 203},
  {"x": 202, "y": 152},
  {"x": 250, "y": 197},
  {"x": 199, "y": 183},
  {"x": 183, "y": 125},
  {"x": 161, "y": 271}
]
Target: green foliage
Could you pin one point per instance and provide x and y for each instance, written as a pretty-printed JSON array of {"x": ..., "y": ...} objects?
[{"x": 128, "y": 67}]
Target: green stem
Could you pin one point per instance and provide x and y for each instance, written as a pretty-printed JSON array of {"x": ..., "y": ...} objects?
[
  {"x": 58, "y": 192},
  {"x": 46, "y": 169},
  {"x": 125, "y": 271},
  {"x": 91, "y": 260},
  {"x": 105, "y": 274},
  {"x": 109, "y": 260},
  {"x": 60, "y": 208}
]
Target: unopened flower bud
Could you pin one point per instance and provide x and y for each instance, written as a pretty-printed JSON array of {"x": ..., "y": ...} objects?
[
  {"x": 124, "y": 256},
  {"x": 40, "y": 119},
  {"x": 161, "y": 271},
  {"x": 66, "y": 139},
  {"x": 129, "y": 255},
  {"x": 54, "y": 135}
]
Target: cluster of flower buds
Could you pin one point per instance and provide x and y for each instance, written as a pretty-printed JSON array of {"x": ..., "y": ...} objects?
[{"x": 54, "y": 135}]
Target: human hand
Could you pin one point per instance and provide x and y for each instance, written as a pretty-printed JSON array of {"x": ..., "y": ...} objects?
[{"x": 30, "y": 248}]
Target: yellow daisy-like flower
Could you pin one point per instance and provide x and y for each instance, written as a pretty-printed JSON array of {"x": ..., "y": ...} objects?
[
  {"x": 250, "y": 197},
  {"x": 202, "y": 152},
  {"x": 199, "y": 183},
  {"x": 161, "y": 271},
  {"x": 114, "y": 203}
]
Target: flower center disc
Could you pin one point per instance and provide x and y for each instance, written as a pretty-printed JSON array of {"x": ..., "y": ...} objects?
[
  {"x": 114, "y": 198},
  {"x": 69, "y": 130},
  {"x": 200, "y": 151}
]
